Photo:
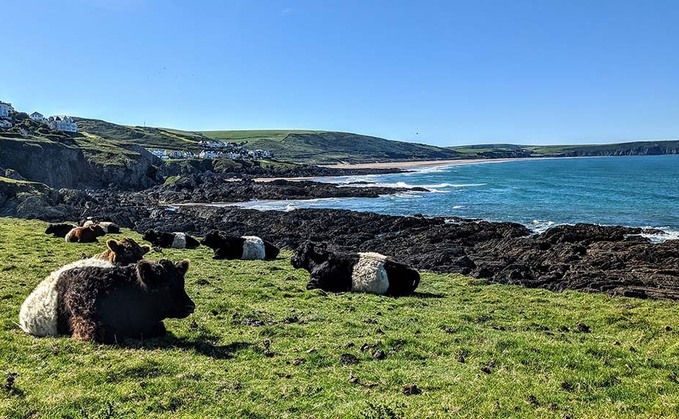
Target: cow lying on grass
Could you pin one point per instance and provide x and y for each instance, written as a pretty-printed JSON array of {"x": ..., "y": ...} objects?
[
  {"x": 85, "y": 234},
  {"x": 245, "y": 247},
  {"x": 108, "y": 226},
  {"x": 170, "y": 240},
  {"x": 359, "y": 272},
  {"x": 107, "y": 304},
  {"x": 40, "y": 303},
  {"x": 123, "y": 252},
  {"x": 59, "y": 230}
]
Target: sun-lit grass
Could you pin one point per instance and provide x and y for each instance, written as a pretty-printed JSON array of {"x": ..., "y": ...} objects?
[{"x": 261, "y": 345}]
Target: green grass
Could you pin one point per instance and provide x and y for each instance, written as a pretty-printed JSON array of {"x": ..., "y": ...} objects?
[{"x": 523, "y": 353}]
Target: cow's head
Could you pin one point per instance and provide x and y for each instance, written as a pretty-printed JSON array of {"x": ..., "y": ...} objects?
[
  {"x": 309, "y": 254},
  {"x": 124, "y": 252},
  {"x": 97, "y": 230},
  {"x": 164, "y": 283},
  {"x": 213, "y": 240},
  {"x": 150, "y": 236}
]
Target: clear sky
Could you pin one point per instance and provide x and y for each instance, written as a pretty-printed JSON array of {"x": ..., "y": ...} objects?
[{"x": 442, "y": 72}]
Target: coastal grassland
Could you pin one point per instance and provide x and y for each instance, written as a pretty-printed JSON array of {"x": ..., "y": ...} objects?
[{"x": 261, "y": 345}]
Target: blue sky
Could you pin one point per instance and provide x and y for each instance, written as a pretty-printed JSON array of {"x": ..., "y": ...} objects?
[{"x": 439, "y": 72}]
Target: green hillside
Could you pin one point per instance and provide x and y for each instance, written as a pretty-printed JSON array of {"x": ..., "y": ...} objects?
[
  {"x": 618, "y": 149},
  {"x": 148, "y": 137},
  {"x": 323, "y": 147}
]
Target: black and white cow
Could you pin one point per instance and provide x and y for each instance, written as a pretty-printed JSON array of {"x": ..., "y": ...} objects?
[
  {"x": 358, "y": 272},
  {"x": 107, "y": 304},
  {"x": 244, "y": 247},
  {"x": 108, "y": 226},
  {"x": 170, "y": 240}
]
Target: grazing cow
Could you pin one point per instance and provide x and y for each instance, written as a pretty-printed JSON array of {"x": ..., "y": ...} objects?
[
  {"x": 358, "y": 272},
  {"x": 171, "y": 240},
  {"x": 59, "y": 230},
  {"x": 245, "y": 247},
  {"x": 108, "y": 226},
  {"x": 108, "y": 304},
  {"x": 85, "y": 234},
  {"x": 39, "y": 310},
  {"x": 123, "y": 252}
]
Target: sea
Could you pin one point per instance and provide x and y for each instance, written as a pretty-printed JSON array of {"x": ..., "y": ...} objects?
[{"x": 636, "y": 191}]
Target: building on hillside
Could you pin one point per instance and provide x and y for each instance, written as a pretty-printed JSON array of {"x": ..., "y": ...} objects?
[
  {"x": 5, "y": 124},
  {"x": 62, "y": 123},
  {"x": 208, "y": 154},
  {"x": 5, "y": 109},
  {"x": 37, "y": 116}
]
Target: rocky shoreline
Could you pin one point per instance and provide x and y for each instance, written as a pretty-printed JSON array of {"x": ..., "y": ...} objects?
[{"x": 613, "y": 260}]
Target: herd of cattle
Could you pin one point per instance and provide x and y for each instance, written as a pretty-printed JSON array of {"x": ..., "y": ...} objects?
[{"x": 117, "y": 294}]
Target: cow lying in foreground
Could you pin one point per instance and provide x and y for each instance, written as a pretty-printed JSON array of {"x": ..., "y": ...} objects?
[
  {"x": 234, "y": 247},
  {"x": 59, "y": 230},
  {"x": 108, "y": 304},
  {"x": 85, "y": 234},
  {"x": 39, "y": 308},
  {"x": 358, "y": 272},
  {"x": 170, "y": 240}
]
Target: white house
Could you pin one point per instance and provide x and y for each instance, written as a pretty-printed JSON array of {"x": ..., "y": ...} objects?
[
  {"x": 62, "y": 123},
  {"x": 5, "y": 109},
  {"x": 37, "y": 116},
  {"x": 208, "y": 154},
  {"x": 5, "y": 124}
]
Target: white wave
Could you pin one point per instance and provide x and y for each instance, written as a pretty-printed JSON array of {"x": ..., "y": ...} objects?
[
  {"x": 434, "y": 187},
  {"x": 458, "y": 206},
  {"x": 540, "y": 226},
  {"x": 663, "y": 234}
]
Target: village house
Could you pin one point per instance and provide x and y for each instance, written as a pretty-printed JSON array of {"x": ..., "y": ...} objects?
[
  {"x": 4, "y": 124},
  {"x": 62, "y": 123},
  {"x": 5, "y": 109},
  {"x": 37, "y": 116}
]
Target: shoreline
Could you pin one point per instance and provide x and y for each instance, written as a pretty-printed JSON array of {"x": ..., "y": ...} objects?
[
  {"x": 402, "y": 165},
  {"x": 418, "y": 164}
]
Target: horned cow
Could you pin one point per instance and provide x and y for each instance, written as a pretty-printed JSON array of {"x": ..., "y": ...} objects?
[
  {"x": 244, "y": 247},
  {"x": 359, "y": 272},
  {"x": 107, "y": 304},
  {"x": 170, "y": 240}
]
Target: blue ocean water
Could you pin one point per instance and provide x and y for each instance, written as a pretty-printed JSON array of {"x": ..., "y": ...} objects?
[{"x": 640, "y": 191}]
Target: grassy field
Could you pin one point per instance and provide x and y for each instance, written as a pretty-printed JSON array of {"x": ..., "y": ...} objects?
[{"x": 260, "y": 345}]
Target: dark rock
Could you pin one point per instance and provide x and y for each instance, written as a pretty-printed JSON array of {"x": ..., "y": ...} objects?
[{"x": 348, "y": 359}]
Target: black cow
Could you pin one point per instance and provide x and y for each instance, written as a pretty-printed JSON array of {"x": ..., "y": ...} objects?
[{"x": 59, "y": 230}]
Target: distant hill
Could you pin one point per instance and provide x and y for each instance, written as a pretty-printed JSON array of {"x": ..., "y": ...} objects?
[
  {"x": 638, "y": 148},
  {"x": 322, "y": 147}
]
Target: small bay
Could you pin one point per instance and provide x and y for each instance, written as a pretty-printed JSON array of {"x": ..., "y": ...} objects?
[{"x": 638, "y": 191}]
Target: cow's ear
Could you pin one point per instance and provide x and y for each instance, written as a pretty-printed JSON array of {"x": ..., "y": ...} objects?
[
  {"x": 145, "y": 249},
  {"x": 183, "y": 266},
  {"x": 113, "y": 245},
  {"x": 145, "y": 274}
]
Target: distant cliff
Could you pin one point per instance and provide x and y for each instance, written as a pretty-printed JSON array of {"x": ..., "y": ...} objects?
[
  {"x": 638, "y": 148},
  {"x": 59, "y": 165}
]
